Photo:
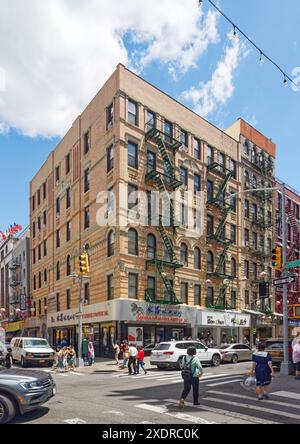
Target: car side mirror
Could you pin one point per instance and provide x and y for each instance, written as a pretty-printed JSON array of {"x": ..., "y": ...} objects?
[{"x": 206, "y": 348}]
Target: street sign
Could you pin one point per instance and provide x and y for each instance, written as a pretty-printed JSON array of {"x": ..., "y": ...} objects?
[
  {"x": 294, "y": 264},
  {"x": 284, "y": 281}
]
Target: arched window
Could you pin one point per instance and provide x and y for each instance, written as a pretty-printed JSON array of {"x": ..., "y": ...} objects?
[
  {"x": 58, "y": 271},
  {"x": 133, "y": 247},
  {"x": 68, "y": 265},
  {"x": 197, "y": 258},
  {"x": 184, "y": 254},
  {"x": 210, "y": 262},
  {"x": 151, "y": 246},
  {"x": 233, "y": 267},
  {"x": 111, "y": 244}
]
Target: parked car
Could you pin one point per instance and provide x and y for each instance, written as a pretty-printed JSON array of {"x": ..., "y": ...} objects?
[
  {"x": 171, "y": 354},
  {"x": 32, "y": 351},
  {"x": 148, "y": 349},
  {"x": 275, "y": 348},
  {"x": 235, "y": 353},
  {"x": 22, "y": 391}
]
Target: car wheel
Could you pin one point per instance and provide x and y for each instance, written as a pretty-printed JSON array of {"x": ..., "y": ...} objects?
[
  {"x": 216, "y": 360},
  {"x": 23, "y": 363},
  {"x": 180, "y": 363},
  {"x": 7, "y": 409},
  {"x": 235, "y": 359}
]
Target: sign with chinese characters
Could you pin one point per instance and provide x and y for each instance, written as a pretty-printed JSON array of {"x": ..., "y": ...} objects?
[{"x": 224, "y": 319}]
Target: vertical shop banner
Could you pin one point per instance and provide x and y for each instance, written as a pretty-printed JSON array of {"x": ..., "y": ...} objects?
[{"x": 136, "y": 335}]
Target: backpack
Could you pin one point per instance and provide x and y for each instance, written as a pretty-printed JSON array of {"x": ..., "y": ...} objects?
[{"x": 186, "y": 372}]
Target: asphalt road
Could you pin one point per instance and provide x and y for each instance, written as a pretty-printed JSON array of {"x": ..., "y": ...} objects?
[{"x": 110, "y": 396}]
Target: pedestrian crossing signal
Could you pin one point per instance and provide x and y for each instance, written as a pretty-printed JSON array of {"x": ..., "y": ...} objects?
[
  {"x": 277, "y": 258},
  {"x": 84, "y": 266}
]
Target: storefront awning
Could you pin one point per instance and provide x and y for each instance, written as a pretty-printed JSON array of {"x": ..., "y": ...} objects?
[{"x": 279, "y": 315}]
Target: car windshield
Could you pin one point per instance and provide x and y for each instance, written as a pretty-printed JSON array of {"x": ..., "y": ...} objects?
[
  {"x": 33, "y": 343},
  {"x": 162, "y": 347}
]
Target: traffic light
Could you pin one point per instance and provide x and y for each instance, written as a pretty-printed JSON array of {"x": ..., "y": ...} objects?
[
  {"x": 84, "y": 266},
  {"x": 277, "y": 258}
]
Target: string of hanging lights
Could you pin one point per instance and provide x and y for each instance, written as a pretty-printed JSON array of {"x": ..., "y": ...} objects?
[{"x": 262, "y": 54}]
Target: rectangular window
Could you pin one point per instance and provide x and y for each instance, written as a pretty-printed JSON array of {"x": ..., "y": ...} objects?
[
  {"x": 33, "y": 203},
  {"x": 184, "y": 138},
  {"x": 254, "y": 212},
  {"x": 210, "y": 190},
  {"x": 57, "y": 174},
  {"x": 151, "y": 287},
  {"x": 57, "y": 206},
  {"x": 210, "y": 225},
  {"x": 133, "y": 155},
  {"x": 247, "y": 298},
  {"x": 197, "y": 149},
  {"x": 151, "y": 161},
  {"x": 68, "y": 231},
  {"x": 247, "y": 209},
  {"x": 246, "y": 269},
  {"x": 184, "y": 176},
  {"x": 68, "y": 299},
  {"x": 45, "y": 218},
  {"x": 44, "y": 190},
  {"x": 233, "y": 168},
  {"x": 210, "y": 155},
  {"x": 233, "y": 201},
  {"x": 87, "y": 180},
  {"x": 254, "y": 268},
  {"x": 233, "y": 299},
  {"x": 233, "y": 233},
  {"x": 197, "y": 294},
  {"x": 86, "y": 142},
  {"x": 68, "y": 198},
  {"x": 86, "y": 293},
  {"x": 39, "y": 252},
  {"x": 39, "y": 197},
  {"x": 45, "y": 248},
  {"x": 68, "y": 163},
  {"x": 132, "y": 112},
  {"x": 197, "y": 184},
  {"x": 110, "y": 287},
  {"x": 184, "y": 292},
  {"x": 151, "y": 120},
  {"x": 168, "y": 131},
  {"x": 86, "y": 218},
  {"x": 34, "y": 256},
  {"x": 110, "y": 158},
  {"x": 210, "y": 297},
  {"x": 33, "y": 229},
  {"x": 246, "y": 236},
  {"x": 110, "y": 116},
  {"x": 222, "y": 161},
  {"x": 39, "y": 223},
  {"x": 255, "y": 241},
  {"x": 57, "y": 302},
  {"x": 57, "y": 238},
  {"x": 133, "y": 285},
  {"x": 132, "y": 197}
]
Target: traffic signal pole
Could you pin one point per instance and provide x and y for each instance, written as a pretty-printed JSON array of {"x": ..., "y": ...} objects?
[
  {"x": 80, "y": 361},
  {"x": 286, "y": 365}
]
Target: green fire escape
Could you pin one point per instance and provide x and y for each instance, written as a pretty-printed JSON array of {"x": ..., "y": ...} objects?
[
  {"x": 218, "y": 201},
  {"x": 164, "y": 182}
]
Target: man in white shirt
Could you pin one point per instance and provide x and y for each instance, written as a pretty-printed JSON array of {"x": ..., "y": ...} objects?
[{"x": 132, "y": 359}]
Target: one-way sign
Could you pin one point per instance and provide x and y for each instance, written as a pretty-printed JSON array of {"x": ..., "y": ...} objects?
[{"x": 284, "y": 281}]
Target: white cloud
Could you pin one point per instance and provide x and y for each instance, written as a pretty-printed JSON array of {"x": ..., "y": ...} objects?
[
  {"x": 57, "y": 54},
  {"x": 208, "y": 97}
]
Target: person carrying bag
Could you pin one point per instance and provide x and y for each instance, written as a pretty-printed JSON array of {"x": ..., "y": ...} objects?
[{"x": 191, "y": 373}]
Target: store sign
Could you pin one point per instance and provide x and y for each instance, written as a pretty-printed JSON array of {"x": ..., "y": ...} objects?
[
  {"x": 91, "y": 314},
  {"x": 223, "y": 319},
  {"x": 23, "y": 302},
  {"x": 12, "y": 327},
  {"x": 145, "y": 312},
  {"x": 294, "y": 323}
]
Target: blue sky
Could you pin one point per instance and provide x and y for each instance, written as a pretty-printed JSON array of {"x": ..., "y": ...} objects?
[{"x": 38, "y": 106}]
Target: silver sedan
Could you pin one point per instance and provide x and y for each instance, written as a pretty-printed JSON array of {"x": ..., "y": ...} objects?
[{"x": 235, "y": 353}]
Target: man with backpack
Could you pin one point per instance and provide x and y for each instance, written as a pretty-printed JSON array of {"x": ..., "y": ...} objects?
[{"x": 191, "y": 373}]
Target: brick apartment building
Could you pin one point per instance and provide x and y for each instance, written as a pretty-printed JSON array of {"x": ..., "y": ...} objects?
[{"x": 150, "y": 282}]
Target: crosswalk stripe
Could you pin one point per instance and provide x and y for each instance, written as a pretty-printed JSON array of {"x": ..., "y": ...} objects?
[
  {"x": 257, "y": 408},
  {"x": 224, "y": 382},
  {"x": 284, "y": 394},
  {"x": 269, "y": 401},
  {"x": 224, "y": 412},
  {"x": 204, "y": 378},
  {"x": 181, "y": 416}
]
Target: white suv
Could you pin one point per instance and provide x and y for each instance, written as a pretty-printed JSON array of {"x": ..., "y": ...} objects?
[{"x": 170, "y": 354}]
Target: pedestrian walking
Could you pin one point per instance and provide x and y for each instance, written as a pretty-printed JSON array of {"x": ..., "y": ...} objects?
[
  {"x": 60, "y": 359},
  {"x": 56, "y": 358},
  {"x": 191, "y": 373},
  {"x": 141, "y": 360},
  {"x": 132, "y": 359},
  {"x": 296, "y": 358},
  {"x": 263, "y": 369},
  {"x": 117, "y": 350},
  {"x": 65, "y": 359},
  {"x": 91, "y": 353},
  {"x": 125, "y": 355},
  {"x": 72, "y": 358}
]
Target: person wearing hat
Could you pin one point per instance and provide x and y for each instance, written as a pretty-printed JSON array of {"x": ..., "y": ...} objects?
[{"x": 263, "y": 369}]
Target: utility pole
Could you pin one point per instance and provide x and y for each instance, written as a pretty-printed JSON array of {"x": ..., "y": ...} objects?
[{"x": 286, "y": 366}]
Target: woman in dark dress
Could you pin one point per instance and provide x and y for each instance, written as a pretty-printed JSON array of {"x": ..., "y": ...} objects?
[{"x": 264, "y": 372}]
